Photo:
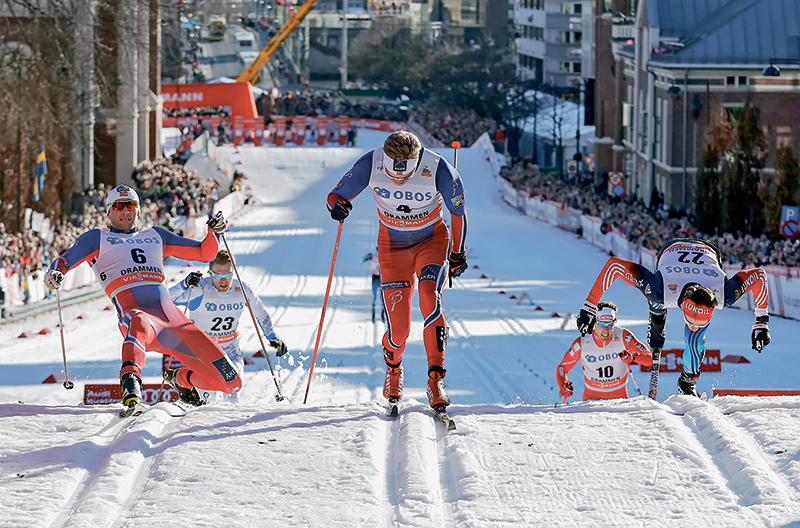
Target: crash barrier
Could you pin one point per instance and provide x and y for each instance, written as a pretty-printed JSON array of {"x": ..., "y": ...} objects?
[
  {"x": 784, "y": 282},
  {"x": 285, "y": 130}
]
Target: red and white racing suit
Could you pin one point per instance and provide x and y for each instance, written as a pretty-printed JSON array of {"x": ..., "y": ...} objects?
[
  {"x": 130, "y": 267},
  {"x": 413, "y": 242},
  {"x": 605, "y": 374}
]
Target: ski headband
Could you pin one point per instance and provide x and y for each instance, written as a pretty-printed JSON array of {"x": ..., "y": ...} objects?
[
  {"x": 399, "y": 168},
  {"x": 700, "y": 315},
  {"x": 606, "y": 314}
]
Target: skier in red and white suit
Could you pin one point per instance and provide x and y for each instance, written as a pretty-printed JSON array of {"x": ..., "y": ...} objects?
[
  {"x": 689, "y": 275},
  {"x": 129, "y": 264},
  {"x": 411, "y": 186},
  {"x": 604, "y": 355}
]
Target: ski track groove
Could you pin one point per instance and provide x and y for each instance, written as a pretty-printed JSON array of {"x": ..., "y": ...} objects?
[
  {"x": 481, "y": 364},
  {"x": 71, "y": 513},
  {"x": 723, "y": 440}
]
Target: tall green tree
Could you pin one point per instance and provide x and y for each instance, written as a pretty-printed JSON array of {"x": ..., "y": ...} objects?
[
  {"x": 780, "y": 189},
  {"x": 744, "y": 209},
  {"x": 718, "y": 138}
]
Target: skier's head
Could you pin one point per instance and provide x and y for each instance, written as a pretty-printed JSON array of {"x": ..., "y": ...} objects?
[
  {"x": 697, "y": 304},
  {"x": 605, "y": 319},
  {"x": 401, "y": 152},
  {"x": 122, "y": 206},
  {"x": 221, "y": 271}
]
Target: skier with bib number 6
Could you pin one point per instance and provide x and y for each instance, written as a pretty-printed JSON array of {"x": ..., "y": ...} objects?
[
  {"x": 411, "y": 186},
  {"x": 129, "y": 264}
]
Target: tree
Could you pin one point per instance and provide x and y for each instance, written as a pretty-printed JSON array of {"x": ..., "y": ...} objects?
[
  {"x": 780, "y": 189},
  {"x": 718, "y": 138},
  {"x": 743, "y": 209}
]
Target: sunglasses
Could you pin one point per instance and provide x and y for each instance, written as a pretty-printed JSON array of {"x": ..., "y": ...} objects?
[
  {"x": 609, "y": 324},
  {"x": 218, "y": 276},
  {"x": 124, "y": 206}
]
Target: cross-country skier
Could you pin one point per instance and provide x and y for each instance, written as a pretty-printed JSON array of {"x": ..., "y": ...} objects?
[
  {"x": 216, "y": 304},
  {"x": 129, "y": 264},
  {"x": 689, "y": 275},
  {"x": 604, "y": 355},
  {"x": 411, "y": 186},
  {"x": 375, "y": 270}
]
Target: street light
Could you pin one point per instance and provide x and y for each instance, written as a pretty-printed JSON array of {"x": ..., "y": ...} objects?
[{"x": 774, "y": 71}]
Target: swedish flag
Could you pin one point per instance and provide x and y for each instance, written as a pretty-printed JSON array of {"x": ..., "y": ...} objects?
[{"x": 41, "y": 170}]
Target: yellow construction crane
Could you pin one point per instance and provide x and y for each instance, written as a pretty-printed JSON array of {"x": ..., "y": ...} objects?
[{"x": 251, "y": 73}]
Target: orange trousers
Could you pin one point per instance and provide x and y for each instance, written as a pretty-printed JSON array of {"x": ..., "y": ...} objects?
[
  {"x": 149, "y": 320},
  {"x": 425, "y": 261}
]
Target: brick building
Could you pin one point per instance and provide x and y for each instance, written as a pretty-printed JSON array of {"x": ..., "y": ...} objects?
[{"x": 662, "y": 73}]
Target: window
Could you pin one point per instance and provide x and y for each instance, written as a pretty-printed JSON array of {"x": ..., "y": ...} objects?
[{"x": 576, "y": 67}]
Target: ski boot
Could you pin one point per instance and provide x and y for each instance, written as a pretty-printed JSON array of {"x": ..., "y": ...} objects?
[
  {"x": 393, "y": 384},
  {"x": 131, "y": 386},
  {"x": 190, "y": 396},
  {"x": 687, "y": 384},
  {"x": 437, "y": 396}
]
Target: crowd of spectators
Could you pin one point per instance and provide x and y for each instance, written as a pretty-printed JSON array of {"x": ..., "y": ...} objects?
[
  {"x": 648, "y": 227},
  {"x": 448, "y": 125},
  {"x": 167, "y": 191}
]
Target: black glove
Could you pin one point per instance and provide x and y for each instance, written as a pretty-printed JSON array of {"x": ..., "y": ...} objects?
[
  {"x": 193, "y": 279},
  {"x": 53, "y": 278},
  {"x": 760, "y": 336},
  {"x": 586, "y": 318},
  {"x": 279, "y": 346},
  {"x": 217, "y": 223},
  {"x": 340, "y": 210},
  {"x": 458, "y": 264}
]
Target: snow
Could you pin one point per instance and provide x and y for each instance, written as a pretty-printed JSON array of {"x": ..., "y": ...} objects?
[{"x": 518, "y": 458}]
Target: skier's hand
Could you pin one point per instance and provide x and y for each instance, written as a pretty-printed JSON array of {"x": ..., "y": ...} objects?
[
  {"x": 340, "y": 210},
  {"x": 458, "y": 264},
  {"x": 217, "y": 223},
  {"x": 586, "y": 318},
  {"x": 53, "y": 278},
  {"x": 193, "y": 279},
  {"x": 627, "y": 357},
  {"x": 566, "y": 389},
  {"x": 760, "y": 336},
  {"x": 279, "y": 346}
]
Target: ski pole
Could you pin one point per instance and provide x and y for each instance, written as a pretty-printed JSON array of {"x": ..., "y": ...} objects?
[
  {"x": 630, "y": 375},
  {"x": 456, "y": 145},
  {"x": 278, "y": 396},
  {"x": 324, "y": 306},
  {"x": 67, "y": 383}
]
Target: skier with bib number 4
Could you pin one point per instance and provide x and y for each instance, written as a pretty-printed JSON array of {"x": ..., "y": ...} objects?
[
  {"x": 411, "y": 186},
  {"x": 688, "y": 275},
  {"x": 129, "y": 264}
]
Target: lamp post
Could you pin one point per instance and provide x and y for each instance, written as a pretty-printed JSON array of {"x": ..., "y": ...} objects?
[{"x": 773, "y": 71}]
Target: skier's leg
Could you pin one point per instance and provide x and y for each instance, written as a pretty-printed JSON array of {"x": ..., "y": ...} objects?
[
  {"x": 432, "y": 271},
  {"x": 693, "y": 356},
  {"x": 397, "y": 289}
]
